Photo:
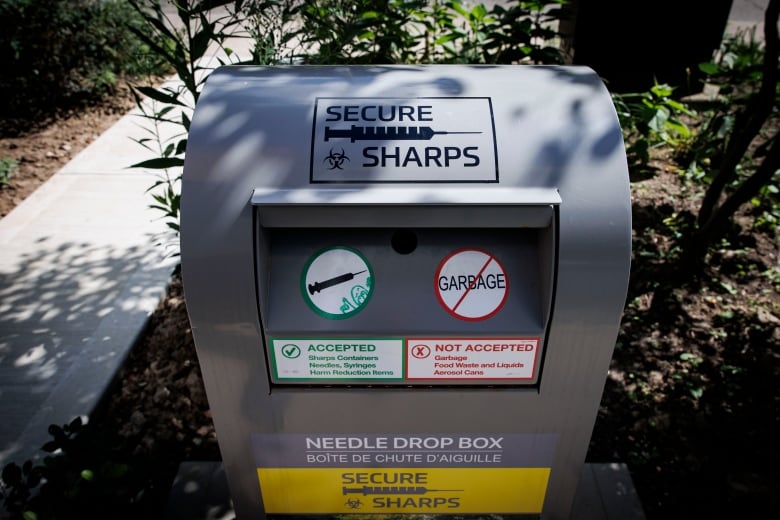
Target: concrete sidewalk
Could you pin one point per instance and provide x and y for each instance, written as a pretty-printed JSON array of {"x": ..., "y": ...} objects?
[
  {"x": 80, "y": 273},
  {"x": 81, "y": 270}
]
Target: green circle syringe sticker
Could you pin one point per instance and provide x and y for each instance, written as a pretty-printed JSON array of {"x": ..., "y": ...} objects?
[{"x": 337, "y": 282}]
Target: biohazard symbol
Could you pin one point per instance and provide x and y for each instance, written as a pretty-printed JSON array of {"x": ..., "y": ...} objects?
[
  {"x": 336, "y": 160},
  {"x": 353, "y": 503}
]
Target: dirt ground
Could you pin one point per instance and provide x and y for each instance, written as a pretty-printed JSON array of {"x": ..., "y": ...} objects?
[
  {"x": 40, "y": 148},
  {"x": 691, "y": 403}
]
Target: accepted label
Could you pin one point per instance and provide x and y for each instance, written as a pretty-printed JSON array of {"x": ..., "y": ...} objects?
[
  {"x": 403, "y": 140},
  {"x": 343, "y": 359},
  {"x": 471, "y": 284},
  {"x": 472, "y": 358}
]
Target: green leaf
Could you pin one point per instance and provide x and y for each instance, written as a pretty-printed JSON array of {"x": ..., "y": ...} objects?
[
  {"x": 160, "y": 163},
  {"x": 446, "y": 38},
  {"x": 163, "y": 112},
  {"x": 200, "y": 42},
  {"x": 659, "y": 119},
  {"x": 159, "y": 95},
  {"x": 678, "y": 127},
  {"x": 709, "y": 68},
  {"x": 88, "y": 475},
  {"x": 458, "y": 8},
  {"x": 676, "y": 105},
  {"x": 479, "y": 11},
  {"x": 662, "y": 90},
  {"x": 185, "y": 121},
  {"x": 29, "y": 515}
]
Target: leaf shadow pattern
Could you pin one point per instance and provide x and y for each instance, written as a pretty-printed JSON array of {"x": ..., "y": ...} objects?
[{"x": 69, "y": 313}]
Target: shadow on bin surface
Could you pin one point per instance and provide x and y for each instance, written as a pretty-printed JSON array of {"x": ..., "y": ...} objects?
[{"x": 405, "y": 283}]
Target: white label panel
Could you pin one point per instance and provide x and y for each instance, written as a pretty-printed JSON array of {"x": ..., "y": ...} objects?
[
  {"x": 333, "y": 358},
  {"x": 403, "y": 140},
  {"x": 472, "y": 358}
]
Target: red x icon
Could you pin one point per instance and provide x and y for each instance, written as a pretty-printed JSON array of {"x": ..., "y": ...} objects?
[{"x": 421, "y": 351}]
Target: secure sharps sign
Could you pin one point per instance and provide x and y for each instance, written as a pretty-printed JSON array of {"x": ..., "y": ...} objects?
[{"x": 403, "y": 140}]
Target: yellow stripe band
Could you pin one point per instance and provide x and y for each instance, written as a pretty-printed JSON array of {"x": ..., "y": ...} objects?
[{"x": 403, "y": 490}]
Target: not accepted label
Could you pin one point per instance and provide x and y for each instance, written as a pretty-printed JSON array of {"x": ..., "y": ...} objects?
[
  {"x": 471, "y": 284},
  {"x": 472, "y": 358}
]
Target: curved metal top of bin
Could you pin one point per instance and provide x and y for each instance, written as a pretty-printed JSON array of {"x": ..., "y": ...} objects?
[{"x": 291, "y": 127}]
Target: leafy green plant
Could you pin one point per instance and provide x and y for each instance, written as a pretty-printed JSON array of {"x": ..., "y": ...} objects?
[
  {"x": 199, "y": 27},
  {"x": 767, "y": 202},
  {"x": 737, "y": 74},
  {"x": 319, "y": 31},
  {"x": 7, "y": 167},
  {"x": 651, "y": 119},
  {"x": 526, "y": 32},
  {"x": 416, "y": 31},
  {"x": 518, "y": 32},
  {"x": 773, "y": 275},
  {"x": 690, "y": 379},
  {"x": 360, "y": 32},
  {"x": 734, "y": 75},
  {"x": 737, "y": 63},
  {"x": 273, "y": 27},
  {"x": 57, "y": 53},
  {"x": 746, "y": 159},
  {"x": 83, "y": 477},
  {"x": 471, "y": 36}
]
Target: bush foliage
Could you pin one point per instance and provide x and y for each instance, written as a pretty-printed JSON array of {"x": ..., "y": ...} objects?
[{"x": 59, "y": 52}]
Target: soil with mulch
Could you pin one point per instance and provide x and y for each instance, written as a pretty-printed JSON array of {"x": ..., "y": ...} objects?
[
  {"x": 40, "y": 146},
  {"x": 691, "y": 402}
]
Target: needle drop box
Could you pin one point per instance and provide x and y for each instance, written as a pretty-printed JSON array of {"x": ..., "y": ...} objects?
[{"x": 404, "y": 283}]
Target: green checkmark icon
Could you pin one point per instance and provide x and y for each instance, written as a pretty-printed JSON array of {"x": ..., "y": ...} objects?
[{"x": 291, "y": 351}]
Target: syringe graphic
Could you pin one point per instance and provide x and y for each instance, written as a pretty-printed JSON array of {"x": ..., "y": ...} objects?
[
  {"x": 318, "y": 286},
  {"x": 392, "y": 490},
  {"x": 386, "y": 133}
]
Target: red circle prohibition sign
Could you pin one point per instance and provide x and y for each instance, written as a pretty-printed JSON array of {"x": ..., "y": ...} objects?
[{"x": 471, "y": 284}]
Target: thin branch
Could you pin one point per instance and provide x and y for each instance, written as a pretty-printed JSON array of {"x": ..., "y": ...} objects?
[{"x": 748, "y": 122}]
